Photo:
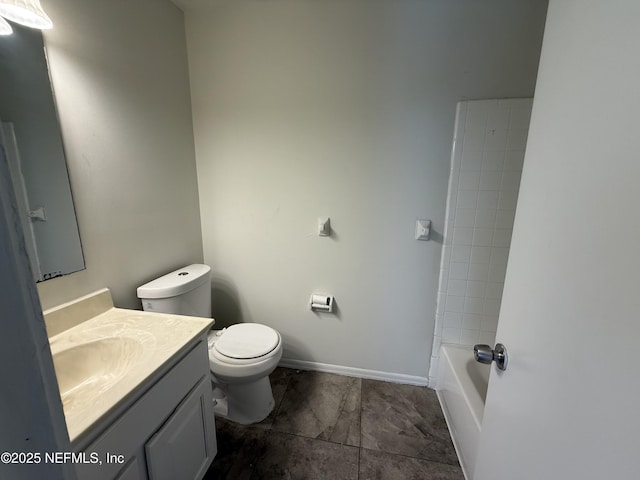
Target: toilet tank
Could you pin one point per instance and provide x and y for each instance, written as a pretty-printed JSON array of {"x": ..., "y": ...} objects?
[{"x": 186, "y": 291}]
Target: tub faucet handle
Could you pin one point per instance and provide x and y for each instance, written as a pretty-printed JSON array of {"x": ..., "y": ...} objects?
[{"x": 484, "y": 354}]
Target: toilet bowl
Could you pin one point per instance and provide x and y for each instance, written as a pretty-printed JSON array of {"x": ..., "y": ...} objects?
[{"x": 241, "y": 357}]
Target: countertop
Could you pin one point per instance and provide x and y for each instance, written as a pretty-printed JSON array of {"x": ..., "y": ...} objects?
[{"x": 151, "y": 340}]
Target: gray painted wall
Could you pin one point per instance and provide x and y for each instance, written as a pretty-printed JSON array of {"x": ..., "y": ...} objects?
[
  {"x": 343, "y": 109},
  {"x": 122, "y": 89}
]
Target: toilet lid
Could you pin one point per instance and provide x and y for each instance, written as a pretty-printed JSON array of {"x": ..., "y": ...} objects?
[{"x": 247, "y": 340}]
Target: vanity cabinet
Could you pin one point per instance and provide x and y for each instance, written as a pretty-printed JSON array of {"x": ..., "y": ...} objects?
[
  {"x": 179, "y": 449},
  {"x": 166, "y": 433}
]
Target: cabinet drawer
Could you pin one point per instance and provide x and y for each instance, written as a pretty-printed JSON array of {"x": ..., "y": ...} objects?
[{"x": 131, "y": 431}]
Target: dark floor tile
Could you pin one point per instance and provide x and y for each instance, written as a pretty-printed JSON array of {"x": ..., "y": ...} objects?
[
  {"x": 347, "y": 427},
  {"x": 292, "y": 457},
  {"x": 406, "y": 420},
  {"x": 376, "y": 465},
  {"x": 238, "y": 448},
  {"x": 322, "y": 406},
  {"x": 279, "y": 379}
]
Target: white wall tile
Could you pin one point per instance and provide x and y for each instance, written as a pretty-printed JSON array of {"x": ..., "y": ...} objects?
[
  {"x": 476, "y": 288},
  {"x": 494, "y": 290},
  {"x": 446, "y": 256},
  {"x": 508, "y": 199},
  {"x": 458, "y": 271},
  {"x": 471, "y": 321},
  {"x": 488, "y": 200},
  {"x": 467, "y": 198},
  {"x": 504, "y": 218},
  {"x": 496, "y": 139},
  {"x": 517, "y": 139},
  {"x": 472, "y": 160},
  {"x": 473, "y": 305},
  {"x": 454, "y": 304},
  {"x": 489, "y": 323},
  {"x": 450, "y": 223},
  {"x": 461, "y": 253},
  {"x": 478, "y": 271},
  {"x": 483, "y": 237},
  {"x": 473, "y": 139},
  {"x": 485, "y": 218},
  {"x": 444, "y": 278},
  {"x": 510, "y": 181},
  {"x": 499, "y": 255},
  {"x": 516, "y": 103},
  {"x": 457, "y": 287},
  {"x": 483, "y": 191},
  {"x": 435, "y": 361},
  {"x": 442, "y": 300},
  {"x": 450, "y": 335},
  {"x": 469, "y": 180},
  {"x": 492, "y": 307},
  {"x": 497, "y": 272},
  {"x": 502, "y": 237},
  {"x": 454, "y": 174},
  {"x": 490, "y": 180},
  {"x": 437, "y": 341},
  {"x": 513, "y": 160},
  {"x": 452, "y": 200},
  {"x": 493, "y": 160},
  {"x": 477, "y": 113},
  {"x": 488, "y": 338},
  {"x": 465, "y": 217},
  {"x": 453, "y": 320},
  {"x": 480, "y": 254},
  {"x": 500, "y": 118},
  {"x": 462, "y": 236},
  {"x": 519, "y": 119},
  {"x": 469, "y": 337}
]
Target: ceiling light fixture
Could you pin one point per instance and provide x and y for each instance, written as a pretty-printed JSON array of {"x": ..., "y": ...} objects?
[
  {"x": 5, "y": 28},
  {"x": 25, "y": 12}
]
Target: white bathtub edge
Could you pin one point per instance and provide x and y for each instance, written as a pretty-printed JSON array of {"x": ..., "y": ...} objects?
[
  {"x": 458, "y": 412},
  {"x": 456, "y": 445}
]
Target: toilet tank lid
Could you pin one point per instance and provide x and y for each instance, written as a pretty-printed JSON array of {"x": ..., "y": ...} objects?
[{"x": 176, "y": 283}]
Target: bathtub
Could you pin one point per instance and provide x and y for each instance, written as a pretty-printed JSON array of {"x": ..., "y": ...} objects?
[{"x": 462, "y": 388}]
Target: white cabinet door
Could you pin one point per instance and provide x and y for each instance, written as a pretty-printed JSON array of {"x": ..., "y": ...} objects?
[
  {"x": 128, "y": 434},
  {"x": 567, "y": 405},
  {"x": 132, "y": 471},
  {"x": 185, "y": 446}
]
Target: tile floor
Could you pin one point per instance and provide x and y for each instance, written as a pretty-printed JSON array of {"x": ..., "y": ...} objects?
[{"x": 334, "y": 427}]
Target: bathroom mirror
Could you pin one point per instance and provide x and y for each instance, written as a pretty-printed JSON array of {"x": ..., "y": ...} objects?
[{"x": 31, "y": 144}]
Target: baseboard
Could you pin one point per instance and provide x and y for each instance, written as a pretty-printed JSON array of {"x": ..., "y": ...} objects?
[{"x": 355, "y": 372}]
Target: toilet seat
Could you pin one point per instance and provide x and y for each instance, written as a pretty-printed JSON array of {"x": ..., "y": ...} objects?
[{"x": 243, "y": 344}]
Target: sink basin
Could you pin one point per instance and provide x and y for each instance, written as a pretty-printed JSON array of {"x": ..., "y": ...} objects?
[
  {"x": 105, "y": 357},
  {"x": 95, "y": 366}
]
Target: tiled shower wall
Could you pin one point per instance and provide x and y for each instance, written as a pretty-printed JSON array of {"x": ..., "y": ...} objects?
[{"x": 486, "y": 165}]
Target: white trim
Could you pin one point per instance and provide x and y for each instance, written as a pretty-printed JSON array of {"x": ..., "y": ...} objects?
[{"x": 355, "y": 372}]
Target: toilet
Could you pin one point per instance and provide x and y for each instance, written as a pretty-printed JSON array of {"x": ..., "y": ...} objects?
[{"x": 241, "y": 356}]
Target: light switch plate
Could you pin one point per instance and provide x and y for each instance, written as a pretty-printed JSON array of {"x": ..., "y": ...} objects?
[
  {"x": 423, "y": 229},
  {"x": 324, "y": 226}
]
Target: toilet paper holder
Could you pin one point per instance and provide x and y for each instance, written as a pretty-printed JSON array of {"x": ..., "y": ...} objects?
[{"x": 321, "y": 303}]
